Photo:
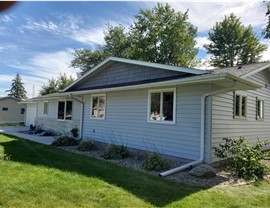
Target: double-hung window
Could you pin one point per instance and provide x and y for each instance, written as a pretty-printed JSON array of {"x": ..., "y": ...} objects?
[
  {"x": 161, "y": 106},
  {"x": 98, "y": 106},
  {"x": 259, "y": 109},
  {"x": 240, "y": 106},
  {"x": 64, "y": 110},
  {"x": 45, "y": 108}
]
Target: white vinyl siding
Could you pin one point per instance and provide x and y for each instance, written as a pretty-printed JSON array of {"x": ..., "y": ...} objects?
[
  {"x": 223, "y": 123},
  {"x": 126, "y": 122}
]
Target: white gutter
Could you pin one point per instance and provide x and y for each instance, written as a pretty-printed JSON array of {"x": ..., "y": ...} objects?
[
  {"x": 82, "y": 111},
  {"x": 201, "y": 159}
]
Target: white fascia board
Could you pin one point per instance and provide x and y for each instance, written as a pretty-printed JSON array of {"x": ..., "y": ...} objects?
[
  {"x": 140, "y": 63},
  {"x": 256, "y": 71}
]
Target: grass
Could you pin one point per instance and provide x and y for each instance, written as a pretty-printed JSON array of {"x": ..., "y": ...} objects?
[
  {"x": 44, "y": 176},
  {"x": 12, "y": 124}
]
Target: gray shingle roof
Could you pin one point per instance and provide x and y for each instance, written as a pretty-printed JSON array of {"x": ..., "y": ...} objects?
[{"x": 242, "y": 70}]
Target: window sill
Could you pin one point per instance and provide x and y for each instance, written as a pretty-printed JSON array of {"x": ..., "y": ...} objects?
[
  {"x": 240, "y": 118},
  {"x": 162, "y": 122}
]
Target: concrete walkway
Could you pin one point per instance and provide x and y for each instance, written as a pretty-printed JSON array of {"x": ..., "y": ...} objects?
[{"x": 15, "y": 131}]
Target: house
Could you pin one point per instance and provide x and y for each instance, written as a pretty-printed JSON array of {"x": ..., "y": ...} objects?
[
  {"x": 30, "y": 113},
  {"x": 11, "y": 111},
  {"x": 175, "y": 111}
]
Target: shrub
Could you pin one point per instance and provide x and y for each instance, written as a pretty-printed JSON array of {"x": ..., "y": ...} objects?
[
  {"x": 65, "y": 141},
  {"x": 154, "y": 162},
  {"x": 86, "y": 146},
  {"x": 4, "y": 157},
  {"x": 116, "y": 152},
  {"x": 245, "y": 160}
]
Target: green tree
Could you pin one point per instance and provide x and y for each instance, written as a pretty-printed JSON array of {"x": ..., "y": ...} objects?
[
  {"x": 159, "y": 35},
  {"x": 54, "y": 85},
  {"x": 85, "y": 59},
  {"x": 266, "y": 31},
  {"x": 164, "y": 36},
  {"x": 17, "y": 88},
  {"x": 232, "y": 43},
  {"x": 117, "y": 41}
]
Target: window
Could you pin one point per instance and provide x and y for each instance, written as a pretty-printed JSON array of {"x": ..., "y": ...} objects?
[
  {"x": 240, "y": 108},
  {"x": 161, "y": 107},
  {"x": 4, "y": 109},
  {"x": 45, "y": 108},
  {"x": 98, "y": 106},
  {"x": 64, "y": 110},
  {"x": 260, "y": 109},
  {"x": 22, "y": 110}
]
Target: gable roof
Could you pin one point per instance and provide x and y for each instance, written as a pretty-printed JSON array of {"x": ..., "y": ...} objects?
[
  {"x": 4, "y": 98},
  {"x": 243, "y": 71},
  {"x": 109, "y": 61}
]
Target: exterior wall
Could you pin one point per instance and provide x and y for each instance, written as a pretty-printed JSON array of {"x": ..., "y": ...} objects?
[
  {"x": 120, "y": 73},
  {"x": 13, "y": 115},
  {"x": 50, "y": 121},
  {"x": 223, "y": 123},
  {"x": 126, "y": 122},
  {"x": 30, "y": 114}
]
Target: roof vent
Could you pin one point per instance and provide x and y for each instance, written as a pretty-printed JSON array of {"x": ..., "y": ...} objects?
[{"x": 239, "y": 67}]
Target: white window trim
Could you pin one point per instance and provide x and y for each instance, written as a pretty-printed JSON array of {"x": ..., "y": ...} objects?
[
  {"x": 47, "y": 108},
  {"x": 240, "y": 110},
  {"x": 174, "y": 105},
  {"x": 260, "y": 118},
  {"x": 105, "y": 106},
  {"x": 64, "y": 110}
]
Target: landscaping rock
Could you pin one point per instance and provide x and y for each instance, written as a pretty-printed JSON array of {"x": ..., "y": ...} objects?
[{"x": 204, "y": 171}]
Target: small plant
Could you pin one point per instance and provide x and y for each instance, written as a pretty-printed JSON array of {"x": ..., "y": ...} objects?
[
  {"x": 154, "y": 162},
  {"x": 74, "y": 132},
  {"x": 4, "y": 157},
  {"x": 116, "y": 152},
  {"x": 65, "y": 141},
  {"x": 244, "y": 160},
  {"x": 87, "y": 145}
]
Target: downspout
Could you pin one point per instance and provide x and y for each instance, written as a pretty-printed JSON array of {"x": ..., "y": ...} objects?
[
  {"x": 82, "y": 111},
  {"x": 202, "y": 139}
]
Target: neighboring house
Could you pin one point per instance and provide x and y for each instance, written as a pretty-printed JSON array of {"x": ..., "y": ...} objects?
[
  {"x": 175, "y": 111},
  {"x": 11, "y": 111}
]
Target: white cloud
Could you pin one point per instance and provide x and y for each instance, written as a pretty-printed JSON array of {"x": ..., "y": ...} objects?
[
  {"x": 7, "y": 46},
  {"x": 44, "y": 66},
  {"x": 266, "y": 54},
  {"x": 7, "y": 18},
  {"x": 201, "y": 41},
  {"x": 205, "y": 14},
  {"x": 89, "y": 36}
]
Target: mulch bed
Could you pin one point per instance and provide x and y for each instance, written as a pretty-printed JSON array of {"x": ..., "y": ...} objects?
[{"x": 223, "y": 177}]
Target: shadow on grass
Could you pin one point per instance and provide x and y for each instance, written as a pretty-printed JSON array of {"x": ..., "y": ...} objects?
[{"x": 152, "y": 189}]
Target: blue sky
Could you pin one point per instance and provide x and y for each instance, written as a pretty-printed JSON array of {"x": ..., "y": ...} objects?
[{"x": 36, "y": 38}]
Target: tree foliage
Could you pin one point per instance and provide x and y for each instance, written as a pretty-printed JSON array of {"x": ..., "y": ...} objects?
[
  {"x": 164, "y": 36},
  {"x": 232, "y": 43},
  {"x": 17, "y": 88},
  {"x": 54, "y": 85},
  {"x": 158, "y": 35},
  {"x": 266, "y": 31}
]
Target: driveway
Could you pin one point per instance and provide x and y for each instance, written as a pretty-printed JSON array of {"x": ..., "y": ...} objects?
[{"x": 16, "y": 131}]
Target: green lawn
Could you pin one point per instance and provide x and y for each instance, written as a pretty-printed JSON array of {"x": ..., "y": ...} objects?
[{"x": 43, "y": 176}]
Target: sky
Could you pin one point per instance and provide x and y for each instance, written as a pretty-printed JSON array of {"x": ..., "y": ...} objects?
[{"x": 37, "y": 38}]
